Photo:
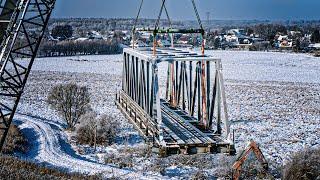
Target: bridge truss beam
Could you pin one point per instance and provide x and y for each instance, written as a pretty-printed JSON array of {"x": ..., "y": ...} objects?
[{"x": 145, "y": 97}]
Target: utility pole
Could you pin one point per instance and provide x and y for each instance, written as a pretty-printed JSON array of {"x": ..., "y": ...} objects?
[
  {"x": 95, "y": 137},
  {"x": 208, "y": 17},
  {"x": 208, "y": 20}
]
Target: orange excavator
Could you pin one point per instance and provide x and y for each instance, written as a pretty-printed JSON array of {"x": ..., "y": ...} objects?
[{"x": 252, "y": 146}]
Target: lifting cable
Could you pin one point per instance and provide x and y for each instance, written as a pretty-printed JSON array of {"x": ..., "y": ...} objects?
[
  {"x": 137, "y": 18},
  {"x": 170, "y": 25},
  {"x": 163, "y": 7},
  {"x": 197, "y": 14},
  {"x": 158, "y": 20},
  {"x": 159, "y": 16},
  {"x": 135, "y": 24},
  {"x": 203, "y": 67},
  {"x": 168, "y": 17},
  {"x": 201, "y": 27}
]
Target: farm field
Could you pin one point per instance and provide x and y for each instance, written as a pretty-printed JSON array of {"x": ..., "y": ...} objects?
[{"x": 273, "y": 98}]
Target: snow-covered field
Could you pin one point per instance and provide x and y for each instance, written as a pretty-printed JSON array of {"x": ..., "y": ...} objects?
[
  {"x": 273, "y": 98},
  {"x": 238, "y": 65}
]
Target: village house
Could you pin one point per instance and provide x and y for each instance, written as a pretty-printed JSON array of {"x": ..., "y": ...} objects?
[{"x": 283, "y": 42}]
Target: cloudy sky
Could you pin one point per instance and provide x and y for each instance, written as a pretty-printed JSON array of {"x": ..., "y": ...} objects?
[{"x": 182, "y": 9}]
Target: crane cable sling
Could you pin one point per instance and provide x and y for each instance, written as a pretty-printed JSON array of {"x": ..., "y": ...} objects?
[
  {"x": 135, "y": 24},
  {"x": 157, "y": 26},
  {"x": 168, "y": 17},
  {"x": 159, "y": 16},
  {"x": 200, "y": 24},
  {"x": 203, "y": 67},
  {"x": 197, "y": 14},
  {"x": 170, "y": 25}
]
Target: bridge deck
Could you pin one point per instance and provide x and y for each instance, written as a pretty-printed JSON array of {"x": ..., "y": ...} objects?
[{"x": 181, "y": 134}]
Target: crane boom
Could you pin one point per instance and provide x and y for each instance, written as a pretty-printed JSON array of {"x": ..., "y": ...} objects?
[{"x": 19, "y": 43}]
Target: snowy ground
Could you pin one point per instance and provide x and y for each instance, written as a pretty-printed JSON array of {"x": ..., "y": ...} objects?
[{"x": 273, "y": 98}]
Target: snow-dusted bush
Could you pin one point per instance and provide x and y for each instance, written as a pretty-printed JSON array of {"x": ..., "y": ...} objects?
[
  {"x": 100, "y": 130},
  {"x": 13, "y": 168},
  {"x": 70, "y": 101},
  {"x": 124, "y": 161},
  {"x": 304, "y": 165},
  {"x": 15, "y": 141},
  {"x": 107, "y": 129},
  {"x": 200, "y": 175},
  {"x": 128, "y": 157},
  {"x": 87, "y": 128},
  {"x": 219, "y": 164}
]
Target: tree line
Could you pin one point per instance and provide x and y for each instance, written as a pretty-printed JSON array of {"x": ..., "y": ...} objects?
[{"x": 71, "y": 48}]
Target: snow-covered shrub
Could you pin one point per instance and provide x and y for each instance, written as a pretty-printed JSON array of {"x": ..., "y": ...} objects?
[
  {"x": 13, "y": 168},
  {"x": 128, "y": 156},
  {"x": 15, "y": 141},
  {"x": 304, "y": 165},
  {"x": 126, "y": 161},
  {"x": 219, "y": 164},
  {"x": 107, "y": 129},
  {"x": 100, "y": 130},
  {"x": 139, "y": 151},
  {"x": 317, "y": 54},
  {"x": 87, "y": 128},
  {"x": 70, "y": 101},
  {"x": 200, "y": 175}
]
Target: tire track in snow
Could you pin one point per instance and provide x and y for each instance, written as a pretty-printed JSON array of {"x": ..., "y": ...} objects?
[{"x": 49, "y": 146}]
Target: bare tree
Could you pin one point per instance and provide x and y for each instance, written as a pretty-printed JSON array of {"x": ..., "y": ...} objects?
[{"x": 70, "y": 101}]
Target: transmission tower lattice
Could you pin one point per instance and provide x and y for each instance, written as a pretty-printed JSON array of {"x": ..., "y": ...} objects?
[{"x": 19, "y": 48}]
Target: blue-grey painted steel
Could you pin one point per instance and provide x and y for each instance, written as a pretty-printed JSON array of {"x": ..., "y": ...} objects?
[{"x": 19, "y": 42}]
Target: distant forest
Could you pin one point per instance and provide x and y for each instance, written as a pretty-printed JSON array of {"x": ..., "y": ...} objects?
[
  {"x": 72, "y": 48},
  {"x": 81, "y": 25}
]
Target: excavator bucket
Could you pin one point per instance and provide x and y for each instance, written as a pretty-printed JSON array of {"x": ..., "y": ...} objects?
[{"x": 243, "y": 156}]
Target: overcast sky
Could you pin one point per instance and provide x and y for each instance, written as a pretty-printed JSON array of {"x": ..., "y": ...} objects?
[{"x": 182, "y": 9}]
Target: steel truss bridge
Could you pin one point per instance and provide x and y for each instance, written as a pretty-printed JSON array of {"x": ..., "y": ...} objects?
[
  {"x": 187, "y": 114},
  {"x": 171, "y": 113}
]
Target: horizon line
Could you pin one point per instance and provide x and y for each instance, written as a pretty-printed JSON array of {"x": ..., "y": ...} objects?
[{"x": 203, "y": 20}]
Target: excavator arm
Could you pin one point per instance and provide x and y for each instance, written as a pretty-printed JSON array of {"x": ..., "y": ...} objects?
[{"x": 251, "y": 147}]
